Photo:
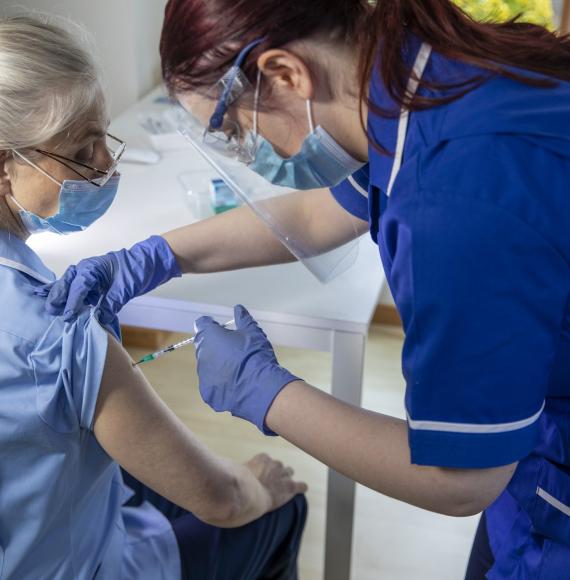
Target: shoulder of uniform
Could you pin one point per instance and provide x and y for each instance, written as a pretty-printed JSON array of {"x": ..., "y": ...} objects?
[{"x": 23, "y": 312}]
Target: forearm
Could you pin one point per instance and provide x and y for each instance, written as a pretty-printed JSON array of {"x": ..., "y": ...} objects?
[
  {"x": 237, "y": 239},
  {"x": 217, "y": 490},
  {"x": 240, "y": 239},
  {"x": 229, "y": 241},
  {"x": 372, "y": 449}
]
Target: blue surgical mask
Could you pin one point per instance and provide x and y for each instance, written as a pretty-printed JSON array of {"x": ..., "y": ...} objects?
[
  {"x": 81, "y": 203},
  {"x": 321, "y": 162}
]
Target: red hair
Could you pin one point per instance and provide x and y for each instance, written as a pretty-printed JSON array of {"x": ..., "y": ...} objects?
[{"x": 201, "y": 39}]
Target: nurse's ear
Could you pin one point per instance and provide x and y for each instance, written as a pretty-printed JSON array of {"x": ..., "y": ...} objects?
[
  {"x": 285, "y": 71},
  {"x": 5, "y": 183}
]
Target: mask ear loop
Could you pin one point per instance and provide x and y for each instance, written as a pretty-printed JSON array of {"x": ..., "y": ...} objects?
[
  {"x": 37, "y": 167},
  {"x": 256, "y": 106},
  {"x": 256, "y": 102},
  {"x": 32, "y": 164},
  {"x": 252, "y": 146},
  {"x": 51, "y": 226},
  {"x": 310, "y": 115},
  {"x": 18, "y": 203}
]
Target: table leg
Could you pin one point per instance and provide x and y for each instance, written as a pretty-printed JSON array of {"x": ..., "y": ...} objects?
[{"x": 347, "y": 371}]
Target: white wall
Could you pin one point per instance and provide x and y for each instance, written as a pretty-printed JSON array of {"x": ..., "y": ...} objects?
[
  {"x": 149, "y": 15},
  {"x": 126, "y": 34}
]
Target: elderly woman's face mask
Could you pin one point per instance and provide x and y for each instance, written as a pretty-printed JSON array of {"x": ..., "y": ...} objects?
[{"x": 84, "y": 199}]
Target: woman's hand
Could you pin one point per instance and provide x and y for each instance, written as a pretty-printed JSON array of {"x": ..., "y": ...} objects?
[
  {"x": 80, "y": 286},
  {"x": 112, "y": 280},
  {"x": 237, "y": 369},
  {"x": 276, "y": 480}
]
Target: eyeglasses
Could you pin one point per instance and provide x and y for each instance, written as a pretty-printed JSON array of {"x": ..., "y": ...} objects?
[
  {"x": 222, "y": 134},
  {"x": 231, "y": 86},
  {"x": 114, "y": 145},
  {"x": 228, "y": 141}
]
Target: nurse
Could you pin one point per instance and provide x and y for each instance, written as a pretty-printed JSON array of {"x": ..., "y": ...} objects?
[
  {"x": 453, "y": 149},
  {"x": 72, "y": 408}
]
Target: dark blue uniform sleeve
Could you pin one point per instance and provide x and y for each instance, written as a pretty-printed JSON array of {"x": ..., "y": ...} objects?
[
  {"x": 481, "y": 295},
  {"x": 352, "y": 193}
]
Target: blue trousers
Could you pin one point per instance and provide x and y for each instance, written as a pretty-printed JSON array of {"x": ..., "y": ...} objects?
[
  {"x": 265, "y": 549},
  {"x": 481, "y": 559}
]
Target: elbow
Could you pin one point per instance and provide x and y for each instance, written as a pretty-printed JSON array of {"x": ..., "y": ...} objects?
[
  {"x": 472, "y": 500},
  {"x": 468, "y": 503},
  {"x": 469, "y": 492},
  {"x": 465, "y": 508},
  {"x": 460, "y": 504},
  {"x": 223, "y": 506}
]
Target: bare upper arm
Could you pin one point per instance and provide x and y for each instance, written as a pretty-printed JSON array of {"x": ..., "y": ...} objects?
[
  {"x": 331, "y": 225},
  {"x": 475, "y": 489},
  {"x": 144, "y": 436}
]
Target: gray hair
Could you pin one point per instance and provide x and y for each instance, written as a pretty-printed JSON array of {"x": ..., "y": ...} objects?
[{"x": 48, "y": 80}]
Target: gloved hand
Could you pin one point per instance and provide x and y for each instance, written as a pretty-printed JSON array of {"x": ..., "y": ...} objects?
[
  {"x": 237, "y": 369},
  {"x": 112, "y": 280}
]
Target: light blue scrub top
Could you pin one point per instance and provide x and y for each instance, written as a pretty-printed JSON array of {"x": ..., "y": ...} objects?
[{"x": 61, "y": 495}]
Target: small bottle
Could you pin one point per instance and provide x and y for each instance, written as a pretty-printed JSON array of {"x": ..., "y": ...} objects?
[{"x": 222, "y": 196}]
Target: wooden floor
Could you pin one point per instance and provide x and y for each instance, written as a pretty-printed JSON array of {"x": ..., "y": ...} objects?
[{"x": 393, "y": 541}]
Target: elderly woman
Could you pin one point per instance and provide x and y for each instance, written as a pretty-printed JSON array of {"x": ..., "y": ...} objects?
[{"x": 73, "y": 409}]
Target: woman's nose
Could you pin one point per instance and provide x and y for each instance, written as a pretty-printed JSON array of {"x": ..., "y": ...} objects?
[{"x": 107, "y": 158}]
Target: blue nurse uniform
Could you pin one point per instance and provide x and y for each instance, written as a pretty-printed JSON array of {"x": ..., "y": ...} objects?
[{"x": 474, "y": 237}]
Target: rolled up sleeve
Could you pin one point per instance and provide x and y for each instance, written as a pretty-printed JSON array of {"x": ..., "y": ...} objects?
[{"x": 68, "y": 365}]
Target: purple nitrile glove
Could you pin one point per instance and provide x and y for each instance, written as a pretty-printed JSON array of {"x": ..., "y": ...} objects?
[
  {"x": 111, "y": 280},
  {"x": 237, "y": 369}
]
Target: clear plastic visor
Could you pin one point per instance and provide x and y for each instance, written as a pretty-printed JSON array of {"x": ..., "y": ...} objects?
[{"x": 229, "y": 151}]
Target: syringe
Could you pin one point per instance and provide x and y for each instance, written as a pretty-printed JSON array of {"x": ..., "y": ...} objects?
[{"x": 173, "y": 347}]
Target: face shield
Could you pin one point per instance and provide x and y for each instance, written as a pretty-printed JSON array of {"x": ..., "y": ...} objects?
[{"x": 233, "y": 152}]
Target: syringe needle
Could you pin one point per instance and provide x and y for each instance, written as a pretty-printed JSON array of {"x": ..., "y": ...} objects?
[{"x": 172, "y": 347}]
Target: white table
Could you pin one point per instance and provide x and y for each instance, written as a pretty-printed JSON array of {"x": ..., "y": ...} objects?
[{"x": 291, "y": 305}]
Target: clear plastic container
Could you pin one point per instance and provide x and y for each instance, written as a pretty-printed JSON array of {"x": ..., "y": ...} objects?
[
  {"x": 196, "y": 187},
  {"x": 207, "y": 194}
]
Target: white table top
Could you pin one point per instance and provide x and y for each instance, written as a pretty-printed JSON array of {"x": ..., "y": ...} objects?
[{"x": 151, "y": 200}]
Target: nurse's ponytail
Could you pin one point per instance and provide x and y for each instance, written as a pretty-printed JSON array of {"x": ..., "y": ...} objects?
[{"x": 452, "y": 33}]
